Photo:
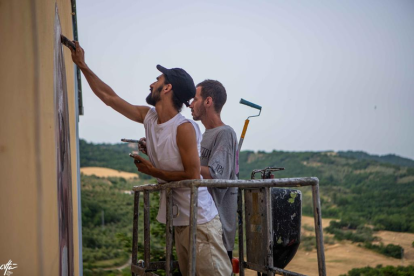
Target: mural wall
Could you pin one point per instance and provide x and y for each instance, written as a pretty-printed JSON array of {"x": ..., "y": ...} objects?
[
  {"x": 63, "y": 156},
  {"x": 39, "y": 230}
]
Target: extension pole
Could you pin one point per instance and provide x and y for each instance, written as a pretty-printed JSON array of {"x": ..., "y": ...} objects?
[
  {"x": 239, "y": 192},
  {"x": 246, "y": 124}
]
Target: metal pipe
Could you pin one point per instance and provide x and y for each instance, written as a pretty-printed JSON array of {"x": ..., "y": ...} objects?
[
  {"x": 135, "y": 230},
  {"x": 269, "y": 234},
  {"x": 264, "y": 269},
  {"x": 280, "y": 271},
  {"x": 169, "y": 232},
  {"x": 79, "y": 111},
  {"x": 137, "y": 270},
  {"x": 223, "y": 183},
  {"x": 241, "y": 238},
  {"x": 161, "y": 265},
  {"x": 78, "y": 79},
  {"x": 318, "y": 229},
  {"x": 146, "y": 229},
  {"x": 193, "y": 230}
]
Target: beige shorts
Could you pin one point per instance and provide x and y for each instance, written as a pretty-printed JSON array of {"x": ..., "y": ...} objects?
[{"x": 212, "y": 258}]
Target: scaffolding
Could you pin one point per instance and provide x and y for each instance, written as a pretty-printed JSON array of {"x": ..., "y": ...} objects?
[{"x": 147, "y": 267}]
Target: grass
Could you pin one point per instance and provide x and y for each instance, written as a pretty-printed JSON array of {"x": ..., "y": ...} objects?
[{"x": 111, "y": 263}]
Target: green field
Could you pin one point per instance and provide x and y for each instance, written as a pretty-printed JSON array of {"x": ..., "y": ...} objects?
[{"x": 356, "y": 188}]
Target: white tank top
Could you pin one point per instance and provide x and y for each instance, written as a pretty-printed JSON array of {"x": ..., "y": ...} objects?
[{"x": 163, "y": 153}]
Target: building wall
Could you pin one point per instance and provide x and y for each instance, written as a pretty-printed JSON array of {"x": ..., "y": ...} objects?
[{"x": 28, "y": 179}]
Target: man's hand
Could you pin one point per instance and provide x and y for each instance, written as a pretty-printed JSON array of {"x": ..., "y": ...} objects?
[
  {"x": 78, "y": 55},
  {"x": 205, "y": 172},
  {"x": 143, "y": 165},
  {"x": 187, "y": 147},
  {"x": 142, "y": 146}
]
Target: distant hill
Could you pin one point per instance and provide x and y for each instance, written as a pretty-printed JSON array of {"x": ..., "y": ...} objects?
[
  {"x": 387, "y": 159},
  {"x": 113, "y": 156},
  {"x": 356, "y": 190},
  {"x": 354, "y": 187}
]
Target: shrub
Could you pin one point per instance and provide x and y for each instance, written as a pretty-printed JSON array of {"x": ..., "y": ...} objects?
[
  {"x": 390, "y": 250},
  {"x": 380, "y": 271}
]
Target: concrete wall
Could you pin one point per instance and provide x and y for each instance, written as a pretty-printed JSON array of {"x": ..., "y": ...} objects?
[{"x": 28, "y": 179}]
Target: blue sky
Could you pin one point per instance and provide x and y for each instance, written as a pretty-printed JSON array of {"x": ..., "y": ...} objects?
[{"x": 330, "y": 75}]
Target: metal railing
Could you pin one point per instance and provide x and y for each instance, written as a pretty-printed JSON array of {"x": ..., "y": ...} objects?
[{"x": 146, "y": 267}]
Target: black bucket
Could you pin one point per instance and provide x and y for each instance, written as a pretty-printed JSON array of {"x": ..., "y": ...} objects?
[{"x": 286, "y": 207}]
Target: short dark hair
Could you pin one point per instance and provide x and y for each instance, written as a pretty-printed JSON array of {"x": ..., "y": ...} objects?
[
  {"x": 215, "y": 90},
  {"x": 177, "y": 103}
]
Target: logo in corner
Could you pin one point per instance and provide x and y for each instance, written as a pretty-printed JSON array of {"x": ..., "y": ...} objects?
[{"x": 7, "y": 267}]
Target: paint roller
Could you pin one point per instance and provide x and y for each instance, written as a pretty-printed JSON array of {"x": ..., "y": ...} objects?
[{"x": 246, "y": 123}]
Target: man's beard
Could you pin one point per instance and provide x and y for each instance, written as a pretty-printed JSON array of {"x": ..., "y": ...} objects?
[
  {"x": 201, "y": 113},
  {"x": 153, "y": 99}
]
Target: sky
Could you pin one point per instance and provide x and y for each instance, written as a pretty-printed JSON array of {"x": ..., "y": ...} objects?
[{"x": 329, "y": 75}]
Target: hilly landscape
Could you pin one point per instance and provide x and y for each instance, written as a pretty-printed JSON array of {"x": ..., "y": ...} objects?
[{"x": 362, "y": 196}]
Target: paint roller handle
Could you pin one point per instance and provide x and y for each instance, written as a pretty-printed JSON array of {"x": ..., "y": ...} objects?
[
  {"x": 65, "y": 41},
  {"x": 246, "y": 124},
  {"x": 243, "y": 101}
]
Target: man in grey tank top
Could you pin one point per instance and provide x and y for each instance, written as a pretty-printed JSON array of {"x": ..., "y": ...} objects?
[{"x": 218, "y": 156}]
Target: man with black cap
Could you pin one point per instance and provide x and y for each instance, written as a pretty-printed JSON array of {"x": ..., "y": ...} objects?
[{"x": 173, "y": 144}]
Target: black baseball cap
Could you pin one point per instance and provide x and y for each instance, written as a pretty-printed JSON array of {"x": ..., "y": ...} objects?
[{"x": 182, "y": 83}]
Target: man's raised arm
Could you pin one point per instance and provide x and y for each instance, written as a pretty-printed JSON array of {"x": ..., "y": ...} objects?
[{"x": 104, "y": 92}]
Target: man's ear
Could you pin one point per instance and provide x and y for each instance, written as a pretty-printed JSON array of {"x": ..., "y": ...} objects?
[
  {"x": 167, "y": 88},
  {"x": 208, "y": 102}
]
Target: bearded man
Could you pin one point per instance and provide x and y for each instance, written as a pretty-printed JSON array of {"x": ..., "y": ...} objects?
[{"x": 172, "y": 146}]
